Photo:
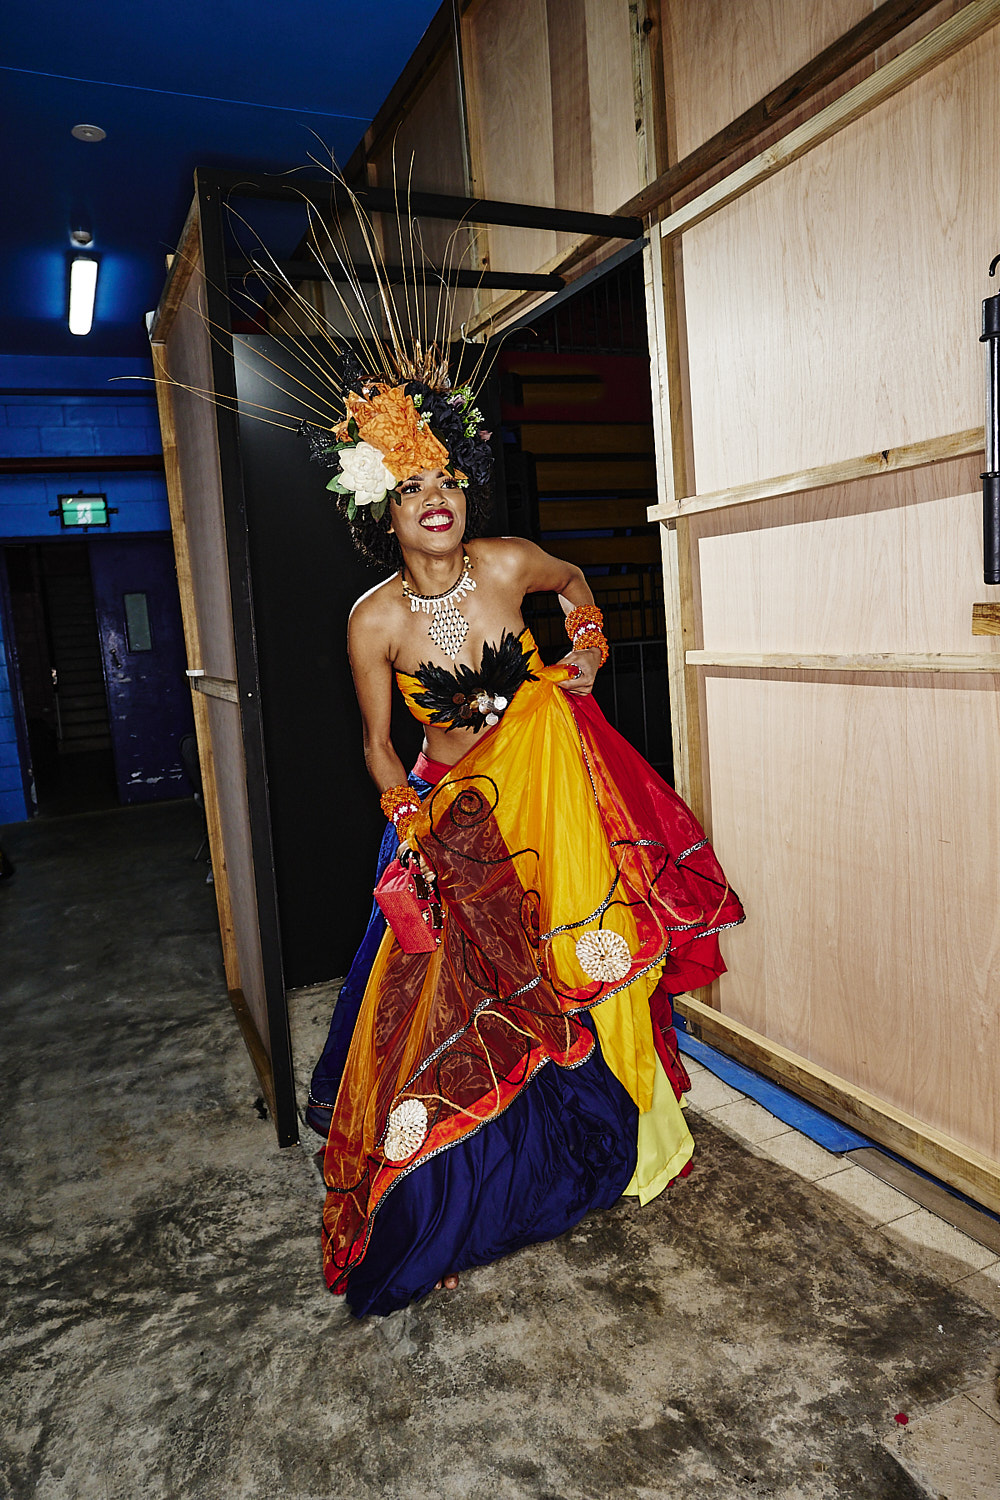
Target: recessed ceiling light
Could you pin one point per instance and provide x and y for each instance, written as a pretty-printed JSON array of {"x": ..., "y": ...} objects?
[
  {"x": 88, "y": 132},
  {"x": 82, "y": 291},
  {"x": 81, "y": 236}
]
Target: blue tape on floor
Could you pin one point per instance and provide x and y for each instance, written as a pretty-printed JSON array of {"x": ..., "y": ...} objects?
[{"x": 811, "y": 1122}]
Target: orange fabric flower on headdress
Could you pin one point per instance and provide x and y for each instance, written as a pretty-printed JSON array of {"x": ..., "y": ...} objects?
[{"x": 390, "y": 422}]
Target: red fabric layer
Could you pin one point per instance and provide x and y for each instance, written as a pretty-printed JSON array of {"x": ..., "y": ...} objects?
[{"x": 636, "y": 803}]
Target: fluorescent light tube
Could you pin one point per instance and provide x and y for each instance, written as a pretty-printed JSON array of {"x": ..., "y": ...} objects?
[{"x": 82, "y": 290}]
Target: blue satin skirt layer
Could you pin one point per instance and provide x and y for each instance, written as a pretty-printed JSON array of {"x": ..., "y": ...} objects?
[{"x": 566, "y": 1145}]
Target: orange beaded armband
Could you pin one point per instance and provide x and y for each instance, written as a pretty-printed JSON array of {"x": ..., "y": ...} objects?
[
  {"x": 583, "y": 614},
  {"x": 399, "y": 800},
  {"x": 584, "y": 628},
  {"x": 406, "y": 824},
  {"x": 590, "y": 638}
]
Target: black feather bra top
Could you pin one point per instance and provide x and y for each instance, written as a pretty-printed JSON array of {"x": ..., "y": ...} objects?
[{"x": 467, "y": 699}]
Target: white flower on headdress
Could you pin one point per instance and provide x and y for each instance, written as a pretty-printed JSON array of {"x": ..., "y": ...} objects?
[{"x": 363, "y": 474}]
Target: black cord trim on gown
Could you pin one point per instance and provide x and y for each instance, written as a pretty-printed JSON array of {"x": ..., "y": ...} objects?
[{"x": 447, "y": 782}]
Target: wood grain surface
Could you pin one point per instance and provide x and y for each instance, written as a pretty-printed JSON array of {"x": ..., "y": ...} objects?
[
  {"x": 725, "y": 57},
  {"x": 817, "y": 269},
  {"x": 551, "y": 114}
]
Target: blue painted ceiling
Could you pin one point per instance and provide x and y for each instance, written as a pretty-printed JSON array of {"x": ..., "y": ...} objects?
[{"x": 227, "y": 83}]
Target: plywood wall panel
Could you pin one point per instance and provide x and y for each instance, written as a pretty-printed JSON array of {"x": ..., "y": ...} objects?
[
  {"x": 820, "y": 326},
  {"x": 614, "y": 158},
  {"x": 724, "y": 57},
  {"x": 551, "y": 107},
  {"x": 889, "y": 564},
  {"x": 506, "y": 53},
  {"x": 426, "y": 150},
  {"x": 860, "y": 819},
  {"x": 953, "y": 780}
]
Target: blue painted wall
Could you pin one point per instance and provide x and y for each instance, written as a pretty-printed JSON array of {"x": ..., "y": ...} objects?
[{"x": 69, "y": 408}]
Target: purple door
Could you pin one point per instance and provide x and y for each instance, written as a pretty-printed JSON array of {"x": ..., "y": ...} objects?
[{"x": 142, "y": 646}]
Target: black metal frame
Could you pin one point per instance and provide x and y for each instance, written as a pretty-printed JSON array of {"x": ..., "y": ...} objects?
[
  {"x": 487, "y": 281},
  {"x": 321, "y": 193}
]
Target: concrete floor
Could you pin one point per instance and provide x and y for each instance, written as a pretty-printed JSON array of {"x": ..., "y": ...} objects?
[{"x": 166, "y": 1331}]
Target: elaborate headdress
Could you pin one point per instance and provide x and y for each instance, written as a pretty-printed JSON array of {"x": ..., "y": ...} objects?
[{"x": 382, "y": 390}]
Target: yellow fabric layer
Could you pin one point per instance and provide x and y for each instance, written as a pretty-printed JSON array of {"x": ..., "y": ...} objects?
[
  {"x": 665, "y": 1143},
  {"x": 547, "y": 813}
]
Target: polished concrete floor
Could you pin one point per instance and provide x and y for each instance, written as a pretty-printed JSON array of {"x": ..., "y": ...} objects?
[{"x": 166, "y": 1331}]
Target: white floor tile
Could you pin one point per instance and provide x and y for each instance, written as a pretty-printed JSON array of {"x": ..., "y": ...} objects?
[
  {"x": 708, "y": 1092},
  {"x": 954, "y": 1451},
  {"x": 951, "y": 1253},
  {"x": 874, "y": 1198},
  {"x": 984, "y": 1287},
  {"x": 749, "y": 1120},
  {"x": 802, "y": 1155}
]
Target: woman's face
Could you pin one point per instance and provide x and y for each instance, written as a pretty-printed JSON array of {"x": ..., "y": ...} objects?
[{"x": 431, "y": 514}]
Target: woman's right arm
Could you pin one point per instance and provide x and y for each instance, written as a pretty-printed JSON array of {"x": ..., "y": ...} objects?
[{"x": 367, "y": 648}]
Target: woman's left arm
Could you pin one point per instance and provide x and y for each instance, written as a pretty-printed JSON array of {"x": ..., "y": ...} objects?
[{"x": 540, "y": 573}]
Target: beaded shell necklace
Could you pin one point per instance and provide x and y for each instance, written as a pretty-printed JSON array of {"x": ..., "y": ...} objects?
[{"x": 448, "y": 627}]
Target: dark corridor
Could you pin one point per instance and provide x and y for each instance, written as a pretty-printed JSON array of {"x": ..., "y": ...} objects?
[
  {"x": 580, "y": 472},
  {"x": 98, "y": 667}
]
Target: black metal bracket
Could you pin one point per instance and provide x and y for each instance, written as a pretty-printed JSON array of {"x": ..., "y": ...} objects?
[
  {"x": 422, "y": 205},
  {"x": 493, "y": 281}
]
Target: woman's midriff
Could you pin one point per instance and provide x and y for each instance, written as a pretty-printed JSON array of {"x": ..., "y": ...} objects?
[{"x": 447, "y": 746}]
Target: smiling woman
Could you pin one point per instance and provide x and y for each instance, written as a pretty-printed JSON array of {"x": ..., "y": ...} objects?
[{"x": 494, "y": 1074}]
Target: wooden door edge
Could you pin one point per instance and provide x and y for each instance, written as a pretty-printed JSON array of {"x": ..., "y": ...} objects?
[
  {"x": 258, "y": 1054},
  {"x": 960, "y": 1166}
]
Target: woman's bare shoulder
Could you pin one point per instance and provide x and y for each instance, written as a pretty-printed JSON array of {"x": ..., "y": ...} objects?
[
  {"x": 510, "y": 554},
  {"x": 375, "y": 608}
]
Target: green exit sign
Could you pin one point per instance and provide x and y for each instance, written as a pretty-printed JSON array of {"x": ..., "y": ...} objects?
[{"x": 83, "y": 510}]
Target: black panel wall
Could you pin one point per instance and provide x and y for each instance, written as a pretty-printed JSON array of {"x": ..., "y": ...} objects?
[{"x": 326, "y": 821}]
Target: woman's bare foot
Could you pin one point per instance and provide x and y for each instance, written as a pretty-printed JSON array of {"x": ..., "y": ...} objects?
[{"x": 450, "y": 1282}]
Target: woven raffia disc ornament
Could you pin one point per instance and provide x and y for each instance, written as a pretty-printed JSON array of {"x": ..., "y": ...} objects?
[
  {"x": 405, "y": 1131},
  {"x": 603, "y": 955}
]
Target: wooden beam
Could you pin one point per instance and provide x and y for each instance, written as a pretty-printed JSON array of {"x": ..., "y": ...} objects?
[
  {"x": 871, "y": 661},
  {"x": 258, "y": 1055},
  {"x": 180, "y": 267},
  {"x": 861, "y": 42},
  {"x": 215, "y": 687},
  {"x": 953, "y": 1162},
  {"x": 986, "y": 619},
  {"x": 950, "y": 37},
  {"x": 887, "y": 461}
]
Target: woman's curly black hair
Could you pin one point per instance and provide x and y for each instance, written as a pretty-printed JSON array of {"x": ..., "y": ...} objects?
[
  {"x": 378, "y": 545},
  {"x": 468, "y": 452}
]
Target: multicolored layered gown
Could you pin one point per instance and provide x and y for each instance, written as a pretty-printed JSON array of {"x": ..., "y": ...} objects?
[{"x": 488, "y": 1094}]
